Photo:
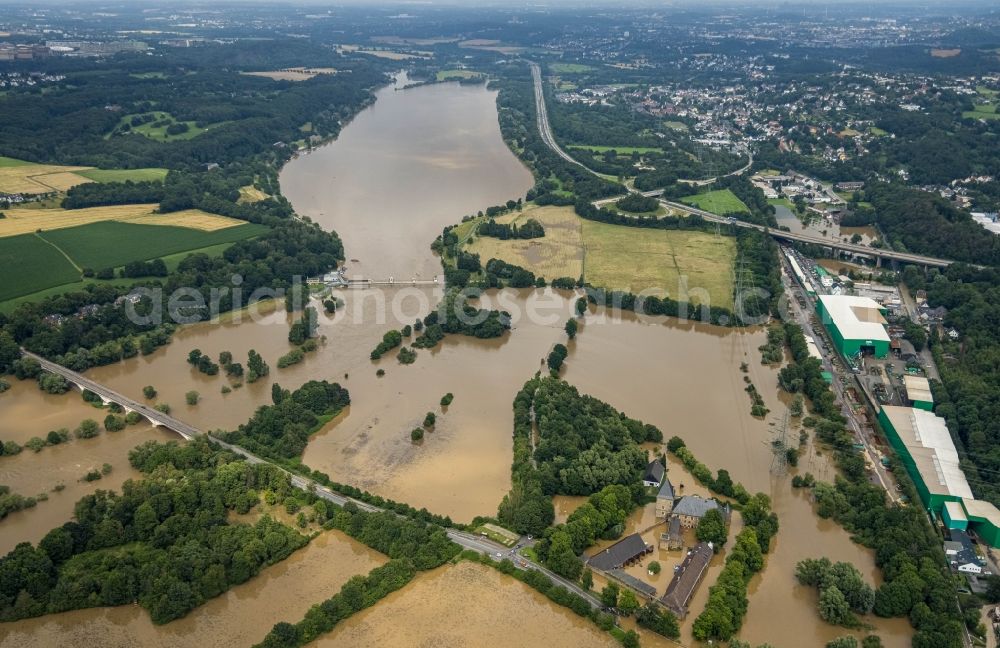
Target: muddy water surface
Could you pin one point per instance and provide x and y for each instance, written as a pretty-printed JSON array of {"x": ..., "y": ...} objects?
[
  {"x": 466, "y": 605},
  {"x": 240, "y": 617},
  {"x": 28, "y": 412},
  {"x": 462, "y": 467},
  {"x": 411, "y": 164},
  {"x": 686, "y": 379}
]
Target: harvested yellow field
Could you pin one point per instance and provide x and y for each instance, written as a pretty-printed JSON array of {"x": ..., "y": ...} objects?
[
  {"x": 39, "y": 178},
  {"x": 25, "y": 221},
  {"x": 251, "y": 194},
  {"x": 557, "y": 254},
  {"x": 684, "y": 265}
]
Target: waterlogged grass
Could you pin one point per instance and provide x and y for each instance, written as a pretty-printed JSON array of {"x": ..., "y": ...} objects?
[
  {"x": 110, "y": 244},
  {"x": 720, "y": 201},
  {"x": 685, "y": 265},
  {"x": 616, "y": 256}
]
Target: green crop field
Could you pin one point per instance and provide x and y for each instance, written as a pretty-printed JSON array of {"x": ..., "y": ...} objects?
[
  {"x": 721, "y": 201},
  {"x": 110, "y": 244},
  {"x": 29, "y": 264},
  {"x": 121, "y": 175}
]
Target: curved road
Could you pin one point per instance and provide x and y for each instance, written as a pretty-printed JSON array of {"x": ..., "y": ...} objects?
[
  {"x": 545, "y": 130},
  {"x": 462, "y": 538}
]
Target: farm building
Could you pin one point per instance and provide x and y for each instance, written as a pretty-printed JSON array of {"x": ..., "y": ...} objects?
[
  {"x": 918, "y": 391},
  {"x": 686, "y": 578},
  {"x": 624, "y": 552},
  {"x": 922, "y": 442},
  {"x": 856, "y": 324}
]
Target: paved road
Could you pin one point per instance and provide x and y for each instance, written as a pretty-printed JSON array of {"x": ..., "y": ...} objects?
[
  {"x": 463, "y": 539},
  {"x": 906, "y": 257},
  {"x": 545, "y": 130},
  {"x": 864, "y": 435},
  {"x": 109, "y": 395}
]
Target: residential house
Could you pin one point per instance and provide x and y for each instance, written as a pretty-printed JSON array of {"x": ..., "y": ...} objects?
[
  {"x": 686, "y": 578},
  {"x": 961, "y": 555},
  {"x": 654, "y": 474}
]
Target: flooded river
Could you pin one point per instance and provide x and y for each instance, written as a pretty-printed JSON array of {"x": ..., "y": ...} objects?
[{"x": 413, "y": 163}]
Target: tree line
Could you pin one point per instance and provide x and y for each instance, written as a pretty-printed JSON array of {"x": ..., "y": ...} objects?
[{"x": 159, "y": 543}]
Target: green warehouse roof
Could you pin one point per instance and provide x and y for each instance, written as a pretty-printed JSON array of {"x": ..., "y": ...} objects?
[{"x": 927, "y": 440}]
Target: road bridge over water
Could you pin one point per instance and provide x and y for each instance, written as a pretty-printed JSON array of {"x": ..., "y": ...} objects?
[{"x": 464, "y": 539}]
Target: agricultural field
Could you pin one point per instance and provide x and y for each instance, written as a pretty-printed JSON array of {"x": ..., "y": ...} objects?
[
  {"x": 986, "y": 105},
  {"x": 109, "y": 244},
  {"x": 292, "y": 74},
  {"x": 44, "y": 251},
  {"x": 557, "y": 254},
  {"x": 29, "y": 264},
  {"x": 445, "y": 75},
  {"x": 24, "y": 221},
  {"x": 720, "y": 201},
  {"x": 636, "y": 259},
  {"x": 982, "y": 111},
  {"x": 19, "y": 176},
  {"x": 569, "y": 68},
  {"x": 615, "y": 256}
]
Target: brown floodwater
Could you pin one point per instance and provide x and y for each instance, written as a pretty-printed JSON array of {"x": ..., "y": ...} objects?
[
  {"x": 28, "y": 412},
  {"x": 240, "y": 617},
  {"x": 820, "y": 227},
  {"x": 465, "y": 605},
  {"x": 686, "y": 379},
  {"x": 462, "y": 467},
  {"x": 414, "y": 162}
]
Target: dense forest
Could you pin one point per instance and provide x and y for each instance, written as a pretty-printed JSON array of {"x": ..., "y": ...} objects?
[
  {"x": 243, "y": 116},
  {"x": 584, "y": 446},
  {"x": 969, "y": 395},
  {"x": 164, "y": 542},
  {"x": 281, "y": 430}
]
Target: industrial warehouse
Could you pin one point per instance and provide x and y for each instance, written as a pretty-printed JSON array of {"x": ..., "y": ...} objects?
[
  {"x": 856, "y": 324},
  {"x": 922, "y": 442}
]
